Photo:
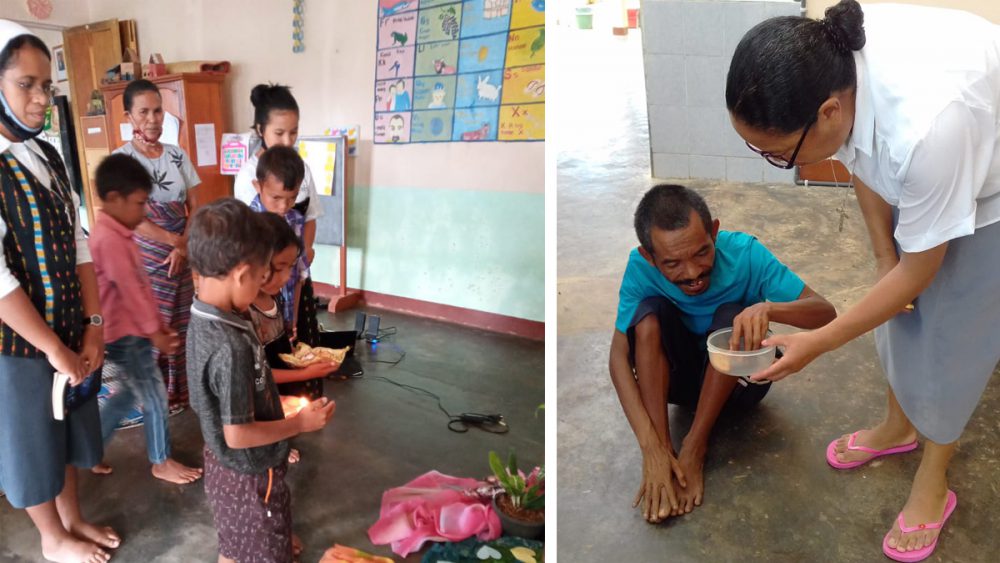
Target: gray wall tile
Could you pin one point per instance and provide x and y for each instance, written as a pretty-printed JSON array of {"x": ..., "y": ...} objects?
[
  {"x": 665, "y": 80},
  {"x": 775, "y": 175},
  {"x": 708, "y": 167},
  {"x": 663, "y": 27},
  {"x": 738, "y": 19},
  {"x": 705, "y": 80},
  {"x": 668, "y": 129},
  {"x": 745, "y": 169},
  {"x": 706, "y": 130},
  {"x": 670, "y": 165},
  {"x": 703, "y": 33},
  {"x": 774, "y": 9}
]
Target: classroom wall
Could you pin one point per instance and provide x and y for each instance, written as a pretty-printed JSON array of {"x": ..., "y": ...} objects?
[
  {"x": 687, "y": 47},
  {"x": 65, "y": 13},
  {"x": 989, "y": 9},
  {"x": 459, "y": 224}
]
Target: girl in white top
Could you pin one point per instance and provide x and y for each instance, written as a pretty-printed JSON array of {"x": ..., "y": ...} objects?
[
  {"x": 276, "y": 122},
  {"x": 908, "y": 98}
]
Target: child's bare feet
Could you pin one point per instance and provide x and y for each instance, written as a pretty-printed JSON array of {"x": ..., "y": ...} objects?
[
  {"x": 69, "y": 549},
  {"x": 293, "y": 458},
  {"x": 176, "y": 472},
  {"x": 296, "y": 545},
  {"x": 102, "y": 469},
  {"x": 103, "y": 536}
]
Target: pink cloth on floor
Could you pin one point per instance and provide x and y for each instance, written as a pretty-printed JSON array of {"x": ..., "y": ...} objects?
[{"x": 433, "y": 507}]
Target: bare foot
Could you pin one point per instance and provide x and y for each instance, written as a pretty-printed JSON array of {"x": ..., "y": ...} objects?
[
  {"x": 69, "y": 549},
  {"x": 692, "y": 462},
  {"x": 296, "y": 545},
  {"x": 176, "y": 472},
  {"x": 103, "y": 536},
  {"x": 102, "y": 469},
  {"x": 878, "y": 438},
  {"x": 293, "y": 456}
]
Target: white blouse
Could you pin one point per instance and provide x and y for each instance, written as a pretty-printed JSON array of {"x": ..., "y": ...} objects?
[{"x": 926, "y": 120}]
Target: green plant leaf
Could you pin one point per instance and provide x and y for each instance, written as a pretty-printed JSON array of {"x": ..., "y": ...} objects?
[
  {"x": 512, "y": 463},
  {"x": 537, "y": 503}
]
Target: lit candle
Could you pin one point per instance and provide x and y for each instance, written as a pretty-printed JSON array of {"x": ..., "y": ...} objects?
[{"x": 303, "y": 402}]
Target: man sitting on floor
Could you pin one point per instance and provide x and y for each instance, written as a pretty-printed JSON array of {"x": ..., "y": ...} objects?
[{"x": 686, "y": 280}]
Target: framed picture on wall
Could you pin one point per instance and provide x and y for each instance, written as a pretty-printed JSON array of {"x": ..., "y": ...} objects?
[{"x": 59, "y": 56}]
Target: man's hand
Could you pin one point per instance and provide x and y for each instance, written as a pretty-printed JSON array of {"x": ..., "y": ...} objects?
[
  {"x": 751, "y": 325},
  {"x": 165, "y": 340},
  {"x": 92, "y": 351},
  {"x": 658, "y": 468}
]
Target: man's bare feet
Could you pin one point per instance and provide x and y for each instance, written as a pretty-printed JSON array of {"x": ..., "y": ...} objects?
[
  {"x": 102, "y": 469},
  {"x": 69, "y": 549},
  {"x": 293, "y": 457},
  {"x": 880, "y": 437},
  {"x": 103, "y": 536},
  {"x": 661, "y": 479},
  {"x": 692, "y": 462},
  {"x": 176, "y": 472},
  {"x": 925, "y": 505}
]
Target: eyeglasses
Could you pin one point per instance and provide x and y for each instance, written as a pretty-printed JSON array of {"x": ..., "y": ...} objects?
[
  {"x": 777, "y": 159},
  {"x": 48, "y": 91}
]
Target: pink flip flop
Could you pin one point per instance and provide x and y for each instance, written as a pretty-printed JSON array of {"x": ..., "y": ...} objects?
[
  {"x": 920, "y": 554},
  {"x": 831, "y": 452}
]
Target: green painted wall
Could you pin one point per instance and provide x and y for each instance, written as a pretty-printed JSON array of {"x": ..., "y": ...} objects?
[{"x": 480, "y": 250}]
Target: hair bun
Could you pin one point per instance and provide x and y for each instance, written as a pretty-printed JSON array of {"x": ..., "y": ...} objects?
[
  {"x": 844, "y": 26},
  {"x": 260, "y": 94}
]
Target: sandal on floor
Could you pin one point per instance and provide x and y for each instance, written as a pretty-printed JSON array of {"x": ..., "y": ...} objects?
[{"x": 831, "y": 452}]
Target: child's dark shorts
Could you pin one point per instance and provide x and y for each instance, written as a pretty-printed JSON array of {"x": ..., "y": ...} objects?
[{"x": 246, "y": 532}]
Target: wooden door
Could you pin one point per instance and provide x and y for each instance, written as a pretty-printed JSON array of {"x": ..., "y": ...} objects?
[{"x": 90, "y": 51}]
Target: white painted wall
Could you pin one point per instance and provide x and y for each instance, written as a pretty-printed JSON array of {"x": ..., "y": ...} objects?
[{"x": 333, "y": 82}]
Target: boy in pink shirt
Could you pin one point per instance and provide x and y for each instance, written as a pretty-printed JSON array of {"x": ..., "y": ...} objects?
[{"x": 132, "y": 325}]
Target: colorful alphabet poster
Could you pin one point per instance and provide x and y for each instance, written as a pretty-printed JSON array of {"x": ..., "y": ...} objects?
[{"x": 453, "y": 70}]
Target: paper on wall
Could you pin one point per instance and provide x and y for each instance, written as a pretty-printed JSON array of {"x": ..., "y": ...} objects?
[
  {"x": 171, "y": 130},
  {"x": 204, "y": 140},
  {"x": 321, "y": 156},
  {"x": 235, "y": 150},
  {"x": 125, "y": 130}
]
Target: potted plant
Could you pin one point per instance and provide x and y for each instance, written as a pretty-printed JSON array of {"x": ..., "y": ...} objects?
[{"x": 521, "y": 504}]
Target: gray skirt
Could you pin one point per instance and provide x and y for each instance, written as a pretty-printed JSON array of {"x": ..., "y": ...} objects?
[
  {"x": 35, "y": 448},
  {"x": 939, "y": 358}
]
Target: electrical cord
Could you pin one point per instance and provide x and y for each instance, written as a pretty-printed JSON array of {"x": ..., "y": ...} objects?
[{"x": 492, "y": 423}]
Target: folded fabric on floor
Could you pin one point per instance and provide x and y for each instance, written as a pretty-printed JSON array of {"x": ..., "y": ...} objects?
[
  {"x": 434, "y": 507},
  {"x": 343, "y": 554},
  {"x": 507, "y": 549}
]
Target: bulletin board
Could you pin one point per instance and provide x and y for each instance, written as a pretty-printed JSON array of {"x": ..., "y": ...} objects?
[
  {"x": 325, "y": 156},
  {"x": 460, "y": 71}
]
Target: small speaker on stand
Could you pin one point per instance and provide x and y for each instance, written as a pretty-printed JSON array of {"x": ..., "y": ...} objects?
[{"x": 359, "y": 324}]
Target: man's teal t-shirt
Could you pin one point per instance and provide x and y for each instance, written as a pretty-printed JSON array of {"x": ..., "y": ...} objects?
[{"x": 745, "y": 272}]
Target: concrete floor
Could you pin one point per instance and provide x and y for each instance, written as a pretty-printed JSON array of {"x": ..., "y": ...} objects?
[
  {"x": 770, "y": 495},
  {"x": 380, "y": 437}
]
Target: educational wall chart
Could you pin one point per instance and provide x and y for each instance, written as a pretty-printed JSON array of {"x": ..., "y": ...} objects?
[{"x": 452, "y": 70}]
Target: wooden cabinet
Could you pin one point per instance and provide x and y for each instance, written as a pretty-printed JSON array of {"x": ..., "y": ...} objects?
[
  {"x": 194, "y": 99},
  {"x": 96, "y": 146}
]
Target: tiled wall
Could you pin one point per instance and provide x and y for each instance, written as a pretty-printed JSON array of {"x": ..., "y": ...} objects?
[{"x": 687, "y": 47}]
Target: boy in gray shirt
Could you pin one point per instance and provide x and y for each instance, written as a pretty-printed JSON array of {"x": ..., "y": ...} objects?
[{"x": 233, "y": 392}]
